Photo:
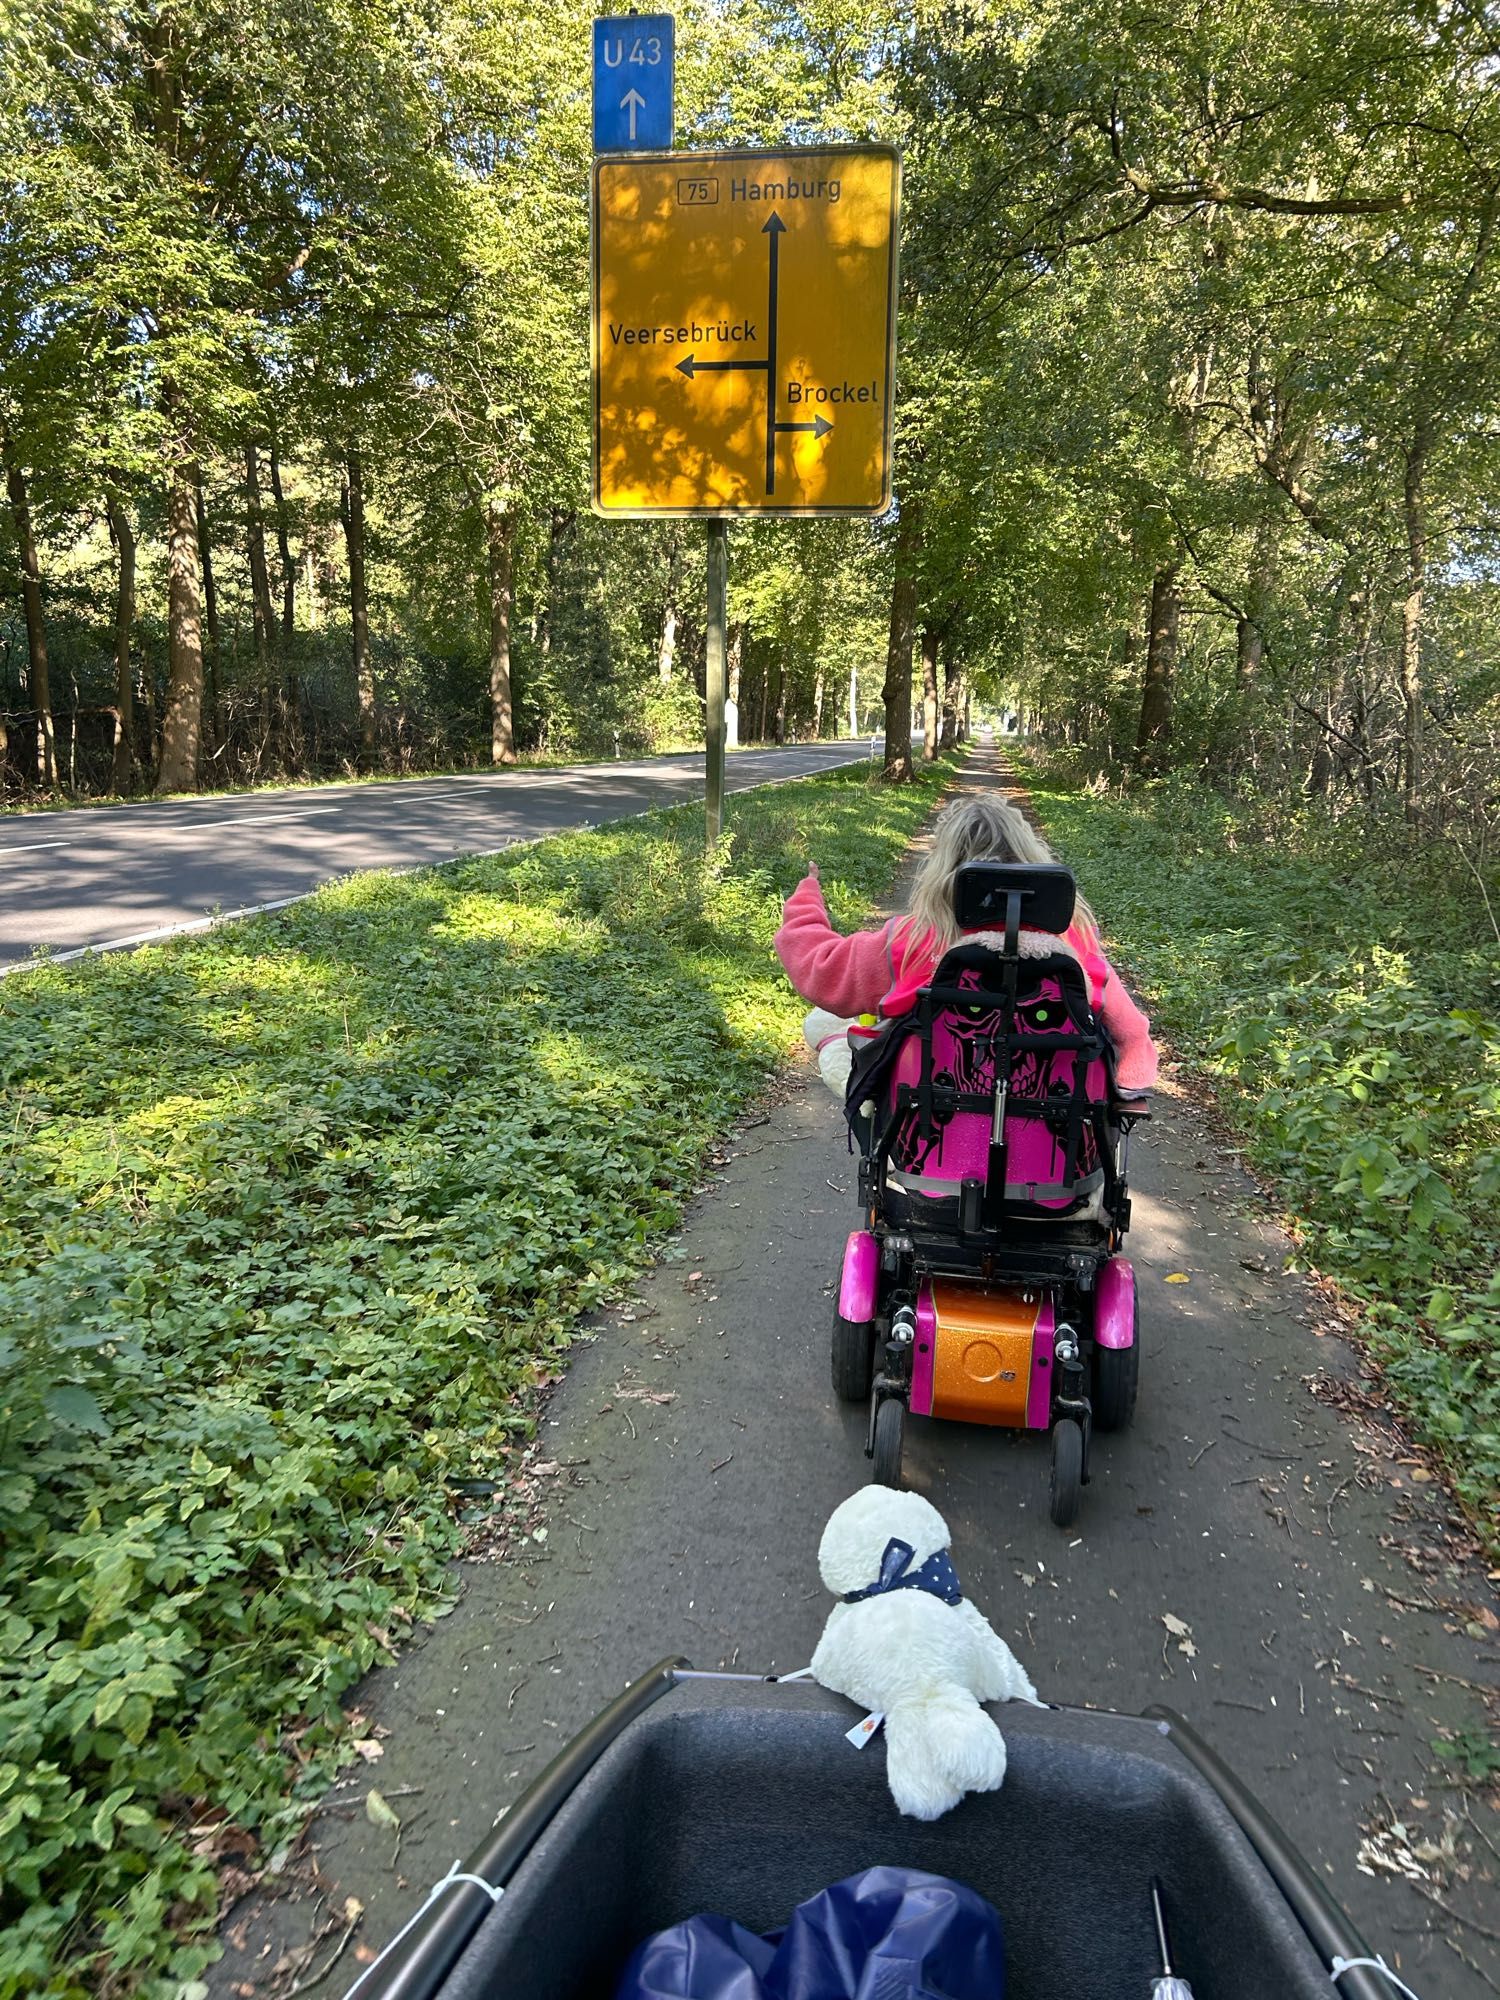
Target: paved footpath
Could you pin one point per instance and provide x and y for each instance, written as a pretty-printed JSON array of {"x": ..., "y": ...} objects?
[
  {"x": 1324, "y": 1626},
  {"x": 109, "y": 876}
]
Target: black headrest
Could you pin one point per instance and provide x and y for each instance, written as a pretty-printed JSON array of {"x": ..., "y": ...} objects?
[{"x": 981, "y": 890}]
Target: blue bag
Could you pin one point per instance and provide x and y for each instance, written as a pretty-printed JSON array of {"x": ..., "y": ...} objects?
[{"x": 887, "y": 1934}]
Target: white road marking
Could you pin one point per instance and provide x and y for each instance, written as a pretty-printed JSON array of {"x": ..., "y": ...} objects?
[
  {"x": 153, "y": 937},
  {"x": 32, "y": 846},
  {"x": 253, "y": 819}
]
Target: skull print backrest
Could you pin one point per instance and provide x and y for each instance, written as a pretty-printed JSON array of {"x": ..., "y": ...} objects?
[{"x": 1058, "y": 1085}]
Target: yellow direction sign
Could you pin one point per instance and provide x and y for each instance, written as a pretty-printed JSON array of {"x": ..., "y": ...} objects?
[{"x": 744, "y": 336}]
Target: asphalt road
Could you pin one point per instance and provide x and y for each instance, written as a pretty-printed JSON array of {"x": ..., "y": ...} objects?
[
  {"x": 1325, "y": 1624},
  {"x": 116, "y": 875}
]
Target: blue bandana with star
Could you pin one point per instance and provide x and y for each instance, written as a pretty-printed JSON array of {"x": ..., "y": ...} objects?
[{"x": 937, "y": 1576}]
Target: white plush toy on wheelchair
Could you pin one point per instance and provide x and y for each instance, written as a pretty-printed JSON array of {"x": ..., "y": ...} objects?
[{"x": 907, "y": 1644}]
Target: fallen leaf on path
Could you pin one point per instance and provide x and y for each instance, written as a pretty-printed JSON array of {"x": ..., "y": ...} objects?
[
  {"x": 380, "y": 1812},
  {"x": 1177, "y": 1278},
  {"x": 368, "y": 1748},
  {"x": 1182, "y": 1632}
]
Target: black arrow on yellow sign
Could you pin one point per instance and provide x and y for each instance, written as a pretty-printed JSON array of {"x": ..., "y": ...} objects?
[
  {"x": 693, "y": 366},
  {"x": 690, "y": 366}
]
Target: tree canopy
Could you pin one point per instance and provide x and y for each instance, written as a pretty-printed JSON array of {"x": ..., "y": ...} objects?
[{"x": 1197, "y": 371}]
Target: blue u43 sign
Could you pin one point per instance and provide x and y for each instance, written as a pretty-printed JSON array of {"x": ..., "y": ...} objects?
[{"x": 633, "y": 83}]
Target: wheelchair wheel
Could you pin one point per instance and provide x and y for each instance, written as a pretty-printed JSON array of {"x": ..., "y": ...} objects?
[
  {"x": 1117, "y": 1374},
  {"x": 1067, "y": 1471},
  {"x": 853, "y": 1358},
  {"x": 890, "y": 1421}
]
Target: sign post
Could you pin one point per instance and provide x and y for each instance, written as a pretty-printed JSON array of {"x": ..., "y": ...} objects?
[{"x": 714, "y": 676}]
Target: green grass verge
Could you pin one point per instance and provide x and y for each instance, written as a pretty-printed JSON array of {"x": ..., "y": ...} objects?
[
  {"x": 1340, "y": 981},
  {"x": 294, "y": 1217}
]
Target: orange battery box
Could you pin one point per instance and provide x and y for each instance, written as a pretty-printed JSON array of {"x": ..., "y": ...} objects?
[{"x": 982, "y": 1354}]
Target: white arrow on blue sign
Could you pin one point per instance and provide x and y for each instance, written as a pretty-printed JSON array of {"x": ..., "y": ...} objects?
[{"x": 633, "y": 83}]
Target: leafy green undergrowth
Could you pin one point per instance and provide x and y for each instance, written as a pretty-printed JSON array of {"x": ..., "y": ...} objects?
[
  {"x": 1343, "y": 982},
  {"x": 293, "y": 1217}
]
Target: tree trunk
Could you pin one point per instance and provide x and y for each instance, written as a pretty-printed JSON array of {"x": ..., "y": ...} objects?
[
  {"x": 780, "y": 702},
  {"x": 1359, "y": 730},
  {"x": 182, "y": 719},
  {"x": 819, "y": 690},
  {"x": 38, "y": 676},
  {"x": 352, "y": 511},
  {"x": 1250, "y": 631},
  {"x": 896, "y": 693},
  {"x": 215, "y": 718},
  {"x": 667, "y": 648},
  {"x": 929, "y": 692},
  {"x": 500, "y": 534},
  {"x": 736, "y": 669},
  {"x": 260, "y": 575},
  {"x": 952, "y": 683},
  {"x": 284, "y": 552},
  {"x": 1321, "y": 769},
  {"x": 562, "y": 519},
  {"x": 1249, "y": 651},
  {"x": 765, "y": 698},
  {"x": 122, "y": 768},
  {"x": 1155, "y": 732},
  {"x": 961, "y": 707},
  {"x": 291, "y": 690},
  {"x": 1409, "y": 667},
  {"x": 1342, "y": 601}
]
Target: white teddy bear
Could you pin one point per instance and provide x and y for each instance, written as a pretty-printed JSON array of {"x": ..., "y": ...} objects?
[{"x": 907, "y": 1644}]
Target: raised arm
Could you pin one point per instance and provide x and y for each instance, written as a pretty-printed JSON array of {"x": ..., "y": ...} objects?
[
  {"x": 1130, "y": 1031},
  {"x": 847, "y": 975}
]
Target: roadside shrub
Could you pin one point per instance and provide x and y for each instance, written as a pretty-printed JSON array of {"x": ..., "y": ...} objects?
[
  {"x": 1341, "y": 981},
  {"x": 295, "y": 1215}
]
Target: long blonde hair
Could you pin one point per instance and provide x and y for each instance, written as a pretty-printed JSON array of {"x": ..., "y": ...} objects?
[{"x": 978, "y": 828}]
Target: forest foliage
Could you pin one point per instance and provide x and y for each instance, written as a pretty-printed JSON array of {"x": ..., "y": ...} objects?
[
  {"x": 1340, "y": 992},
  {"x": 1199, "y": 360}
]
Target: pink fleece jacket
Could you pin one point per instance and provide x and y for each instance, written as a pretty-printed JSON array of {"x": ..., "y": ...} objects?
[{"x": 880, "y": 972}]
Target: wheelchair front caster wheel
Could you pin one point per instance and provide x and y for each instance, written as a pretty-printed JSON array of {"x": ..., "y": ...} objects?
[
  {"x": 890, "y": 1421},
  {"x": 1067, "y": 1471}
]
